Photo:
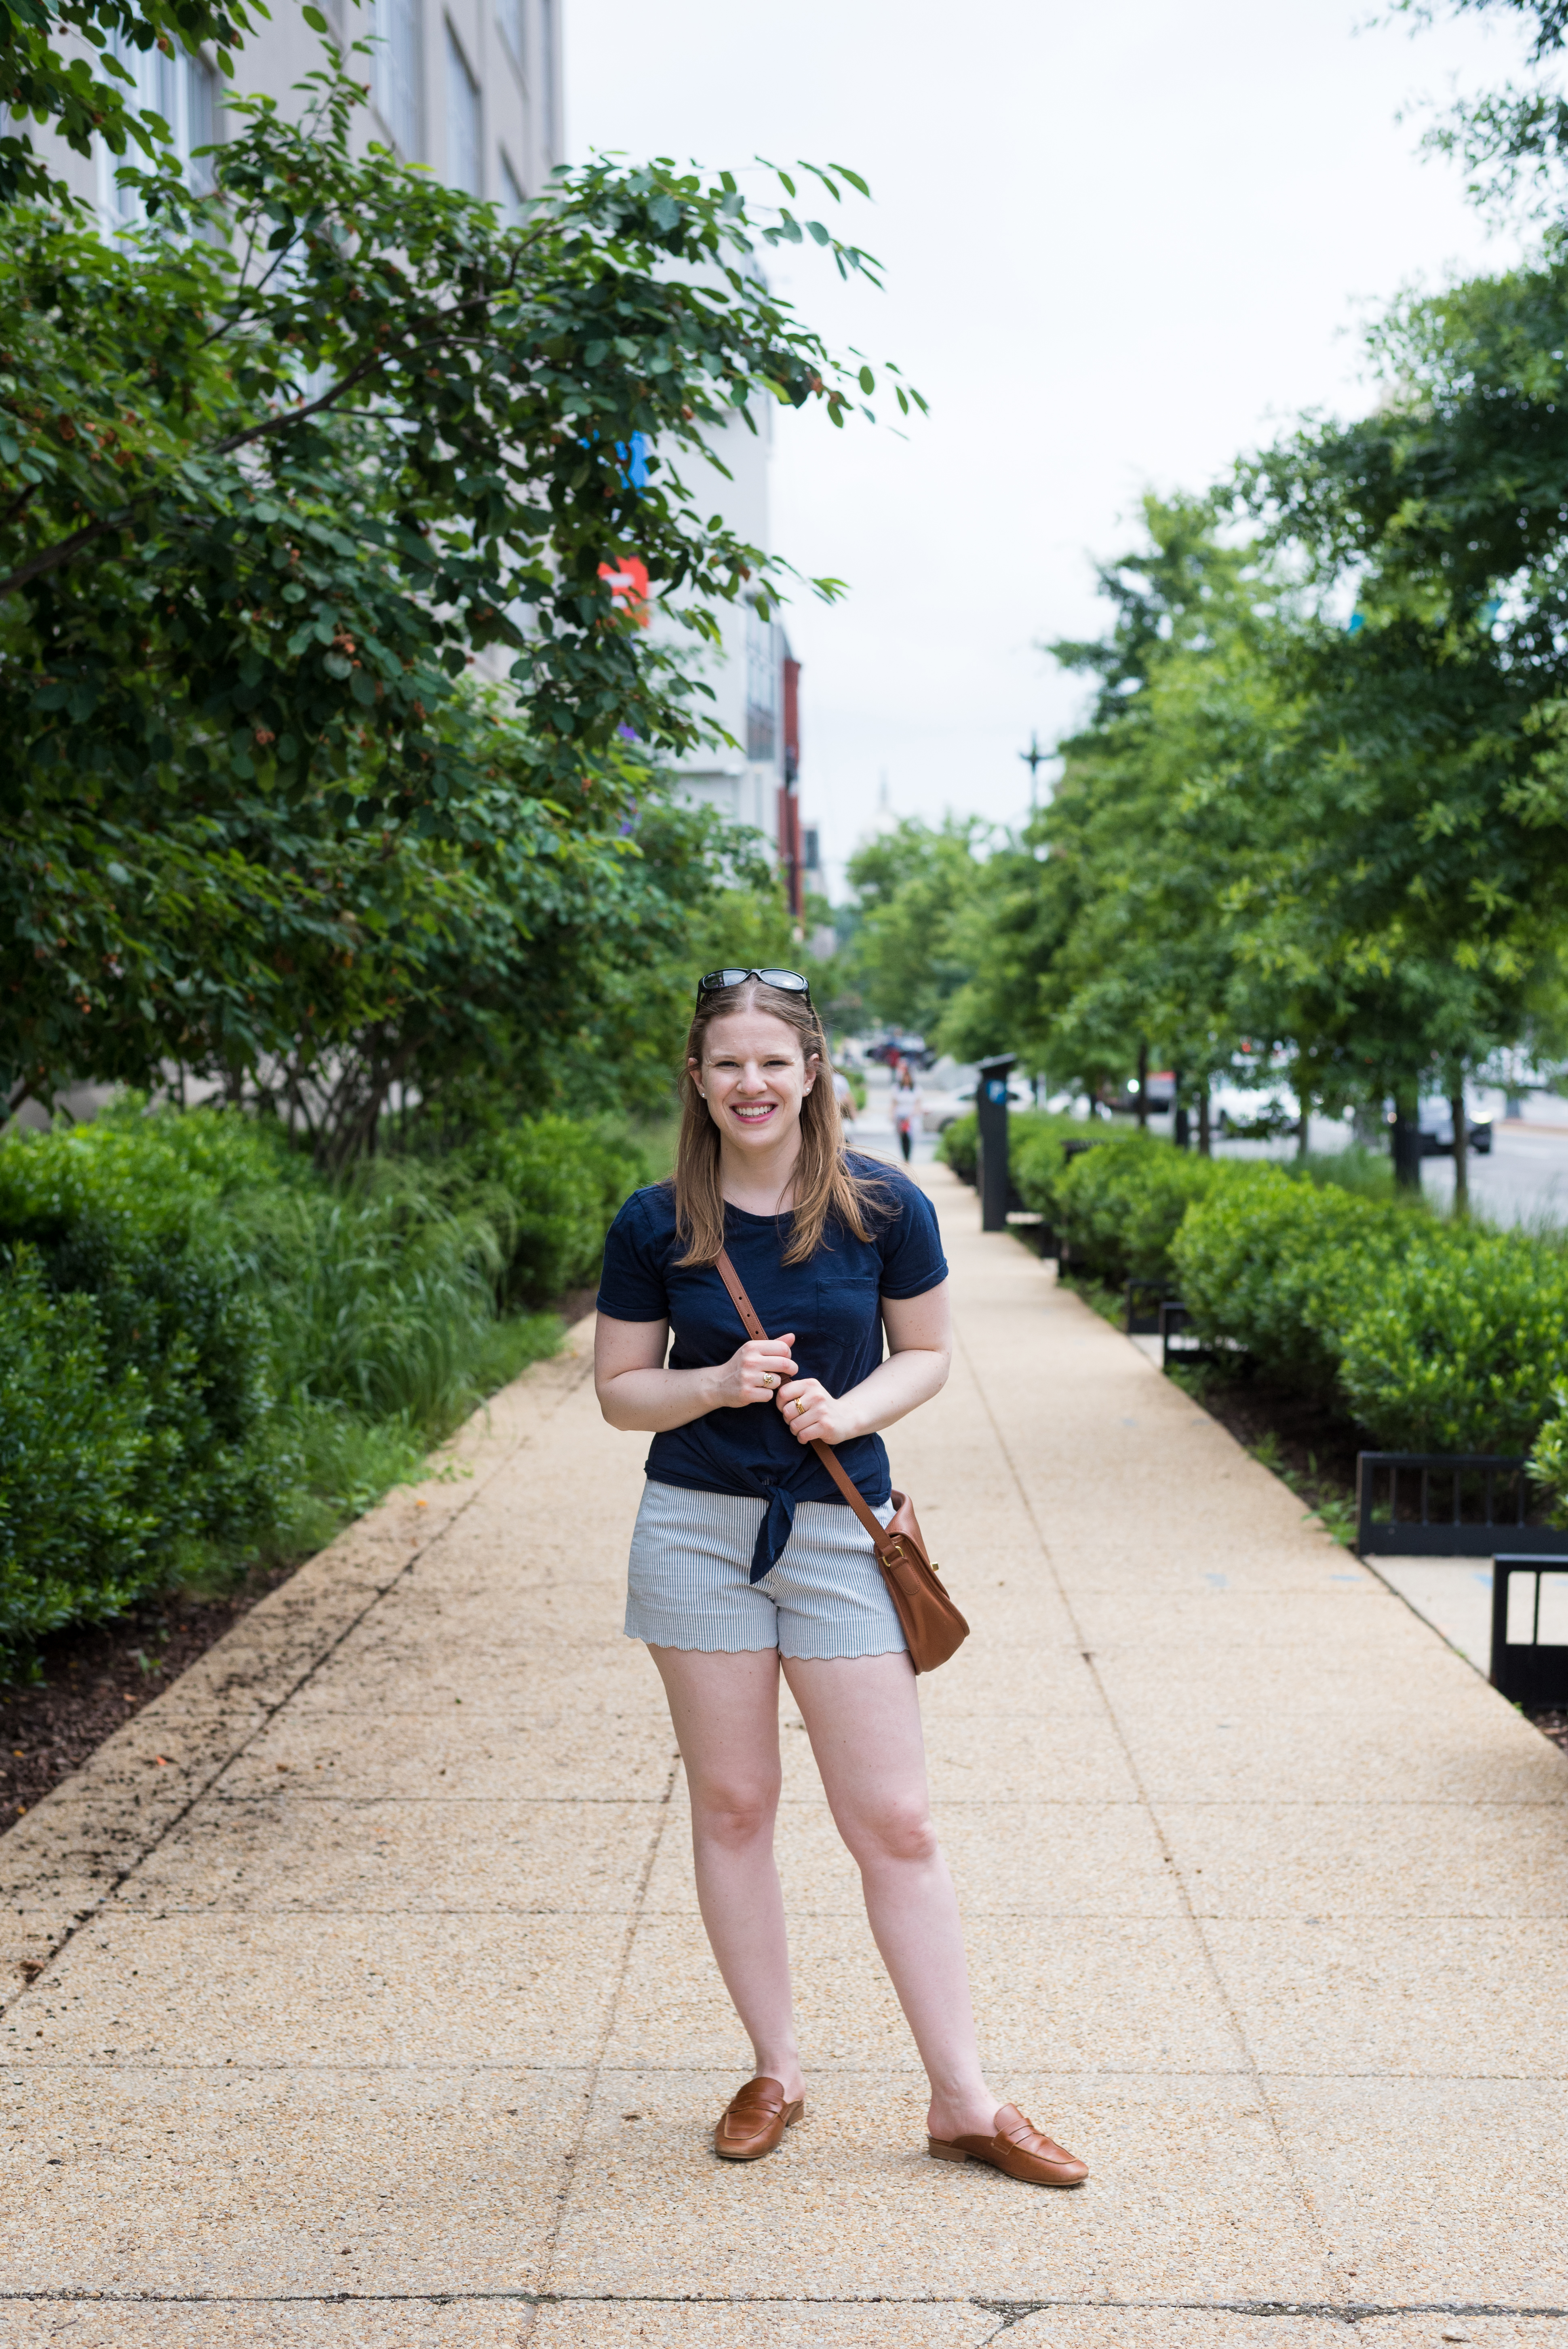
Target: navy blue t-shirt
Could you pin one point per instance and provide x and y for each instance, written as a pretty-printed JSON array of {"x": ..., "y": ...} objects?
[{"x": 831, "y": 1303}]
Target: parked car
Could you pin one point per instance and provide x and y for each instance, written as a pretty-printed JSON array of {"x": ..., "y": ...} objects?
[
  {"x": 938, "y": 1110},
  {"x": 1160, "y": 1091},
  {"x": 900, "y": 1046},
  {"x": 1435, "y": 1122},
  {"x": 1244, "y": 1115}
]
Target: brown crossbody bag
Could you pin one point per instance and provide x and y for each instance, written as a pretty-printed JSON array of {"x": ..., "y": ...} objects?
[{"x": 932, "y": 1627}]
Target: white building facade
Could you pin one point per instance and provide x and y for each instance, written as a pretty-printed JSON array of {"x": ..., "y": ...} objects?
[
  {"x": 753, "y": 779},
  {"x": 470, "y": 88}
]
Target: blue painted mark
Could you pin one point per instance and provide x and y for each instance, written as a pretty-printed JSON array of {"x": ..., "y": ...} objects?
[
  {"x": 1218, "y": 1581},
  {"x": 1484, "y": 1579},
  {"x": 634, "y": 458}
]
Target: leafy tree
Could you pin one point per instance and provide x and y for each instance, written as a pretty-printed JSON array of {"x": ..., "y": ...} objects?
[
  {"x": 914, "y": 885},
  {"x": 1430, "y": 805},
  {"x": 276, "y": 477},
  {"x": 1108, "y": 936},
  {"x": 90, "y": 92}
]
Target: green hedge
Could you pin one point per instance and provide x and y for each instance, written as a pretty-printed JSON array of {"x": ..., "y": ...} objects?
[
  {"x": 958, "y": 1146},
  {"x": 206, "y": 1346},
  {"x": 1034, "y": 1137},
  {"x": 1434, "y": 1336},
  {"x": 1121, "y": 1205},
  {"x": 561, "y": 1185},
  {"x": 1283, "y": 1266},
  {"x": 1465, "y": 1349}
]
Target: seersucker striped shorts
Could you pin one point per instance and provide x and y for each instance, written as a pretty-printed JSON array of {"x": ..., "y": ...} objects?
[{"x": 689, "y": 1585}]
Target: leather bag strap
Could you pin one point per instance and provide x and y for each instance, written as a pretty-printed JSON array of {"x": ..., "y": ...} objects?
[{"x": 824, "y": 1451}]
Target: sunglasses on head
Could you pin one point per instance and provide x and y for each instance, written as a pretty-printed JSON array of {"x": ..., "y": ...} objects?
[{"x": 792, "y": 982}]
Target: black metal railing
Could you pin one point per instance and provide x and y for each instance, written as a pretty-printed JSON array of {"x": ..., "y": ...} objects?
[
  {"x": 1445, "y": 1505},
  {"x": 1143, "y": 1317},
  {"x": 1178, "y": 1342},
  {"x": 1528, "y": 1671}
]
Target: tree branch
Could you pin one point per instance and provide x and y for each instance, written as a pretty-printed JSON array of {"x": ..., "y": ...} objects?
[{"x": 49, "y": 558}]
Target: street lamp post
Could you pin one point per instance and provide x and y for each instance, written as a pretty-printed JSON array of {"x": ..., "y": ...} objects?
[{"x": 1032, "y": 758}]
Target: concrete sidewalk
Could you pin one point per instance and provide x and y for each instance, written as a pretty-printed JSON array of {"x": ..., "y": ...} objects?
[{"x": 370, "y": 2006}]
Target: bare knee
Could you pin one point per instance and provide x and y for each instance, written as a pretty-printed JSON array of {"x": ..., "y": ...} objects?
[
  {"x": 903, "y": 1832},
  {"x": 735, "y": 1813}
]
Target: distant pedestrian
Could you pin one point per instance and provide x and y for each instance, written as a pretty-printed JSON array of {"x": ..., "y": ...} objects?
[
  {"x": 905, "y": 1108},
  {"x": 745, "y": 1561},
  {"x": 844, "y": 1094}
]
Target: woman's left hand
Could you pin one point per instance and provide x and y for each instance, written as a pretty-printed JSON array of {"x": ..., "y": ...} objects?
[{"x": 811, "y": 1413}]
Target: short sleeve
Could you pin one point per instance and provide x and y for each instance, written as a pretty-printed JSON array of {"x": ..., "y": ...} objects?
[
  {"x": 911, "y": 1254},
  {"x": 631, "y": 1285}
]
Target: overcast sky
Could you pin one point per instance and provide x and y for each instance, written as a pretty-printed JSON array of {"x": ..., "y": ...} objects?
[{"x": 1123, "y": 242}]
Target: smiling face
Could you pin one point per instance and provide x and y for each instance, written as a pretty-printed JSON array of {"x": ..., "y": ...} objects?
[{"x": 755, "y": 1079}]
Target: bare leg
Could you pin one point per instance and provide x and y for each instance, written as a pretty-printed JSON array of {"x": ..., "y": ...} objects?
[
  {"x": 863, "y": 1719},
  {"x": 726, "y": 1715}
]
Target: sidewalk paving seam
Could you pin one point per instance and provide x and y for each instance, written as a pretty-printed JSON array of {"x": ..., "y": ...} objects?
[
  {"x": 612, "y": 2010},
  {"x": 201, "y": 1787},
  {"x": 1304, "y": 2200},
  {"x": 1341, "y": 2312}
]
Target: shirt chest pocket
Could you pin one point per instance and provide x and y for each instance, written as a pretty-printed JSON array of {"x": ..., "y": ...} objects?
[{"x": 847, "y": 1312}]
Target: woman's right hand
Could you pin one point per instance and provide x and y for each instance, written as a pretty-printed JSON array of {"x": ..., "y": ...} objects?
[{"x": 754, "y": 1373}]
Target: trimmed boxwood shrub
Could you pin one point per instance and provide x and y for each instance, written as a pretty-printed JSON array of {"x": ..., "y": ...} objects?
[
  {"x": 1434, "y": 1336},
  {"x": 959, "y": 1147},
  {"x": 1464, "y": 1346},
  {"x": 1121, "y": 1205},
  {"x": 1034, "y": 1137},
  {"x": 1281, "y": 1266}
]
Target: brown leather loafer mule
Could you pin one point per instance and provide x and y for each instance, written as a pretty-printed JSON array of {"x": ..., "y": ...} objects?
[
  {"x": 755, "y": 2120},
  {"x": 1019, "y": 2148}
]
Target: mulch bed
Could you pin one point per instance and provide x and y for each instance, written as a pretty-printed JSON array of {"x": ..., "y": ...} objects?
[
  {"x": 1316, "y": 1444},
  {"x": 96, "y": 1678}
]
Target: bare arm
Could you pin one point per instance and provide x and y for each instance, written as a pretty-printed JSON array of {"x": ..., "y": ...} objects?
[
  {"x": 920, "y": 1354},
  {"x": 635, "y": 1390}
]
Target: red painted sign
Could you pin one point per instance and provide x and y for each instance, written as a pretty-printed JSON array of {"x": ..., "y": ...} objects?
[{"x": 628, "y": 584}]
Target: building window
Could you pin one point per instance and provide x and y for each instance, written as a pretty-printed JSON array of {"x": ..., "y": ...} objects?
[
  {"x": 762, "y": 686},
  {"x": 201, "y": 124},
  {"x": 509, "y": 16},
  {"x": 547, "y": 77},
  {"x": 397, "y": 76},
  {"x": 513, "y": 203},
  {"x": 184, "y": 92},
  {"x": 463, "y": 149}
]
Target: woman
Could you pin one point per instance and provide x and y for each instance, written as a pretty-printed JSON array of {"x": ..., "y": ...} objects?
[
  {"x": 905, "y": 1108},
  {"x": 745, "y": 1562}
]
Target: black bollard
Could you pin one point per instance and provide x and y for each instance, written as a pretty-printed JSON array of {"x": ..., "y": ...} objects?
[{"x": 991, "y": 1109}]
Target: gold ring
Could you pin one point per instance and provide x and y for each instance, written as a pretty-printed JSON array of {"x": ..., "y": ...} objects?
[{"x": 800, "y": 1405}]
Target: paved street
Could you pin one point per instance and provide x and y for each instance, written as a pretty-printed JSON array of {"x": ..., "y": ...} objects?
[{"x": 370, "y": 2006}]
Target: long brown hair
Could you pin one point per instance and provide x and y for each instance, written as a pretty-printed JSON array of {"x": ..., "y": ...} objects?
[{"x": 824, "y": 1184}]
